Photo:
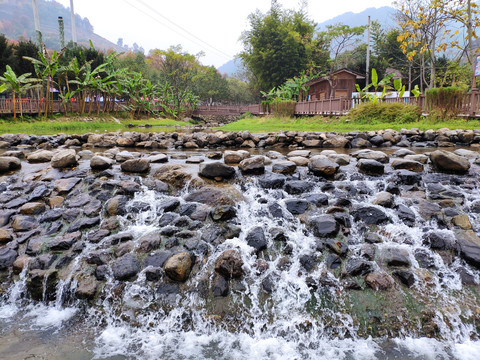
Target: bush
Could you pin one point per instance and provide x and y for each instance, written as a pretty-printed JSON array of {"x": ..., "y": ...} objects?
[
  {"x": 246, "y": 115},
  {"x": 283, "y": 108},
  {"x": 385, "y": 113},
  {"x": 447, "y": 101}
]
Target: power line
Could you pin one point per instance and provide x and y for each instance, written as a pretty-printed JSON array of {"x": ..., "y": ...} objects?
[
  {"x": 219, "y": 52},
  {"x": 182, "y": 28}
]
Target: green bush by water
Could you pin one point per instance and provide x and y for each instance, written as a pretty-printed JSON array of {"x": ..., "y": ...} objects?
[{"x": 370, "y": 113}]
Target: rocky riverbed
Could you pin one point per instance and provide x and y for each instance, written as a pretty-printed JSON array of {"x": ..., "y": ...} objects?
[{"x": 304, "y": 245}]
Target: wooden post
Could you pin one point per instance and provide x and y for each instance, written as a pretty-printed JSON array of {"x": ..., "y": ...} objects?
[{"x": 473, "y": 102}]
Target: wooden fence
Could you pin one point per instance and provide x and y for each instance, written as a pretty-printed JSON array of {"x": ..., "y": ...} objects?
[{"x": 328, "y": 107}]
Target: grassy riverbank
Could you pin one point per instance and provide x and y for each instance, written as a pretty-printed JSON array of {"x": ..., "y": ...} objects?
[
  {"x": 68, "y": 125},
  {"x": 271, "y": 124}
]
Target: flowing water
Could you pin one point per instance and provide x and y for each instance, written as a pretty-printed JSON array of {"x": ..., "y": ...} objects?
[{"x": 278, "y": 309}]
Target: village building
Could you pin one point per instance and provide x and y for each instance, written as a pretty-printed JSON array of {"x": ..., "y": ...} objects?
[{"x": 340, "y": 83}]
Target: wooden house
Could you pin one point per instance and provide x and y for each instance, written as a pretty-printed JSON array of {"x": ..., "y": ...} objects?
[{"x": 340, "y": 83}]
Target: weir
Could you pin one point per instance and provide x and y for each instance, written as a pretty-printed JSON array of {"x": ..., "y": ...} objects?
[{"x": 306, "y": 254}]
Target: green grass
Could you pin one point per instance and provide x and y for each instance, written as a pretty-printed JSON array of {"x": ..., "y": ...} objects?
[
  {"x": 271, "y": 124},
  {"x": 78, "y": 126}
]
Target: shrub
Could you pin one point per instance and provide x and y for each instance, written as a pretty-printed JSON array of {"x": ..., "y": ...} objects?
[
  {"x": 447, "y": 100},
  {"x": 246, "y": 115},
  {"x": 283, "y": 108},
  {"x": 385, "y": 113}
]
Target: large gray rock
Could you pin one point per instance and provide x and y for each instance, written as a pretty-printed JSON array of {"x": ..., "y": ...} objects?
[
  {"x": 256, "y": 239},
  {"x": 324, "y": 226},
  {"x": 229, "y": 264},
  {"x": 136, "y": 165},
  {"x": 322, "y": 166},
  {"x": 40, "y": 156},
  {"x": 254, "y": 165},
  {"x": 101, "y": 162},
  {"x": 337, "y": 141},
  {"x": 410, "y": 165},
  {"x": 370, "y": 215},
  {"x": 7, "y": 257},
  {"x": 469, "y": 247},
  {"x": 126, "y": 267},
  {"x": 449, "y": 162},
  {"x": 64, "y": 158},
  {"x": 9, "y": 163},
  {"x": 216, "y": 170},
  {"x": 284, "y": 167},
  {"x": 370, "y": 167}
]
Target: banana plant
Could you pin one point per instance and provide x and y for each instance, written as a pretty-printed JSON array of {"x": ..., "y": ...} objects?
[
  {"x": 18, "y": 85},
  {"x": 397, "y": 84},
  {"x": 384, "y": 83}
]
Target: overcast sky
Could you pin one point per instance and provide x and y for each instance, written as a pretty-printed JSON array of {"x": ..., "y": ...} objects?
[{"x": 211, "y": 26}]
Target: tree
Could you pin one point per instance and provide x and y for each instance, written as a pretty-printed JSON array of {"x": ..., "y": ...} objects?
[
  {"x": 6, "y": 53},
  {"x": 21, "y": 50},
  {"x": 341, "y": 38},
  {"x": 18, "y": 85},
  {"x": 279, "y": 46},
  {"x": 210, "y": 86},
  {"x": 426, "y": 28}
]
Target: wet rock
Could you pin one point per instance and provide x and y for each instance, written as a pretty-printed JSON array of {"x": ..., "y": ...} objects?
[
  {"x": 5, "y": 236},
  {"x": 101, "y": 163},
  {"x": 379, "y": 280},
  {"x": 284, "y": 167},
  {"x": 5, "y": 216},
  {"x": 83, "y": 223},
  {"x": 65, "y": 242},
  {"x": 406, "y": 177},
  {"x": 136, "y": 165},
  {"x": 252, "y": 166},
  {"x": 308, "y": 262},
  {"x": 333, "y": 261},
  {"x": 406, "y": 215},
  {"x": 396, "y": 257},
  {"x": 39, "y": 192},
  {"x": 86, "y": 287},
  {"x": 41, "y": 285},
  {"x": 422, "y": 159},
  {"x": 373, "y": 238},
  {"x": 371, "y": 155},
  {"x": 370, "y": 167},
  {"x": 216, "y": 170},
  {"x": 357, "y": 266},
  {"x": 428, "y": 209},
  {"x": 324, "y": 226},
  {"x": 296, "y": 206},
  {"x": 116, "y": 205},
  {"x": 469, "y": 246},
  {"x": 466, "y": 277},
  {"x": 223, "y": 213},
  {"x": 299, "y": 160},
  {"x": 175, "y": 174},
  {"x": 40, "y": 156},
  {"x": 20, "y": 263},
  {"x": 256, "y": 239},
  {"x": 449, "y": 162},
  {"x": 410, "y": 165},
  {"x": 337, "y": 141},
  {"x": 384, "y": 199},
  {"x": 178, "y": 266},
  {"x": 316, "y": 199},
  {"x": 406, "y": 277},
  {"x": 337, "y": 247},
  {"x": 294, "y": 187},
  {"x": 424, "y": 259},
  {"x": 322, "y": 166},
  {"x": 462, "y": 221},
  {"x": 234, "y": 157},
  {"x": 24, "y": 223},
  {"x": 220, "y": 287},
  {"x": 370, "y": 215},
  {"x": 438, "y": 240},
  {"x": 272, "y": 181},
  {"x": 65, "y": 185},
  {"x": 213, "y": 196},
  {"x": 9, "y": 163},
  {"x": 7, "y": 258},
  {"x": 64, "y": 159},
  {"x": 126, "y": 267},
  {"x": 229, "y": 264}
]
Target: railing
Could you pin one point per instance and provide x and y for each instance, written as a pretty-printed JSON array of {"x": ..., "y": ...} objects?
[{"x": 329, "y": 107}]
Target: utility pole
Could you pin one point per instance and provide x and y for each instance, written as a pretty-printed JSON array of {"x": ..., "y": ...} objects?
[
  {"x": 74, "y": 28},
  {"x": 37, "y": 24},
  {"x": 367, "y": 70},
  {"x": 472, "y": 57}
]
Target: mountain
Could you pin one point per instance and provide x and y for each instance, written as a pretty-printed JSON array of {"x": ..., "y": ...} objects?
[
  {"x": 383, "y": 15},
  {"x": 16, "y": 21}
]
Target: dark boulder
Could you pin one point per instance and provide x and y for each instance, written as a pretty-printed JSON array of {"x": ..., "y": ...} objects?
[
  {"x": 217, "y": 170},
  {"x": 229, "y": 264},
  {"x": 272, "y": 181},
  {"x": 324, "y": 226},
  {"x": 256, "y": 239},
  {"x": 370, "y": 215},
  {"x": 126, "y": 267}
]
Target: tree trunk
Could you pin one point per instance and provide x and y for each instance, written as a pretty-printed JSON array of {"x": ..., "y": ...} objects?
[{"x": 14, "y": 106}]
